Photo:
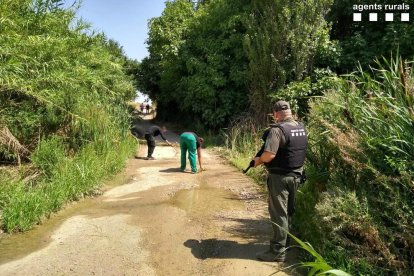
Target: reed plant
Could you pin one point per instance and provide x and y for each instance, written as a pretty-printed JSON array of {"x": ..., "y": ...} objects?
[
  {"x": 242, "y": 142},
  {"x": 358, "y": 204}
]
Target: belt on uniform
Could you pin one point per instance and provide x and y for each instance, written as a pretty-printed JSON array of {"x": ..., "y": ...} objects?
[{"x": 283, "y": 172}]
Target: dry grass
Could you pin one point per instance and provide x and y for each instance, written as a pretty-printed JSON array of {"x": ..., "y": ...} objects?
[{"x": 8, "y": 140}]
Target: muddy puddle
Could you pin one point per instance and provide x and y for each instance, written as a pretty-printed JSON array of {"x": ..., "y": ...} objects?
[
  {"x": 125, "y": 195},
  {"x": 18, "y": 245},
  {"x": 151, "y": 219},
  {"x": 201, "y": 201}
]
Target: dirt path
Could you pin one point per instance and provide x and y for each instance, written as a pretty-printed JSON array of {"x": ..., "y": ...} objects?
[{"x": 161, "y": 222}]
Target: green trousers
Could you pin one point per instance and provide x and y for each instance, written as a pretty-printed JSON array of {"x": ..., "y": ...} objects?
[
  {"x": 188, "y": 143},
  {"x": 282, "y": 190}
]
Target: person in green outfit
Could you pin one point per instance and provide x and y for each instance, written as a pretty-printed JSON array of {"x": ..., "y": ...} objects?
[{"x": 191, "y": 142}]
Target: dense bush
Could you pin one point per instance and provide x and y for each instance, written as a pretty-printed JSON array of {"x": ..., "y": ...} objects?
[
  {"x": 63, "y": 96},
  {"x": 361, "y": 160},
  {"x": 361, "y": 42},
  {"x": 217, "y": 59}
]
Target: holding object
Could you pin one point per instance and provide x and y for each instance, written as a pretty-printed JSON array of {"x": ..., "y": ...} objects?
[
  {"x": 251, "y": 164},
  {"x": 260, "y": 152}
]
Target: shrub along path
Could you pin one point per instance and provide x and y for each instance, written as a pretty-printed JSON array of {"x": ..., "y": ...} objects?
[{"x": 159, "y": 222}]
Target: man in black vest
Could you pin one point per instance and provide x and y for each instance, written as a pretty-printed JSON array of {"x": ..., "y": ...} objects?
[{"x": 284, "y": 157}]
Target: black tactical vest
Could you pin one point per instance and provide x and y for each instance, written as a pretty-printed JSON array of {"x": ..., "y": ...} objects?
[{"x": 292, "y": 155}]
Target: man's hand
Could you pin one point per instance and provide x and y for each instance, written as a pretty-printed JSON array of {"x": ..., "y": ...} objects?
[{"x": 266, "y": 157}]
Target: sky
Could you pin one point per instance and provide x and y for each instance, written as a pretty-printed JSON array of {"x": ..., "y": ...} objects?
[{"x": 125, "y": 21}]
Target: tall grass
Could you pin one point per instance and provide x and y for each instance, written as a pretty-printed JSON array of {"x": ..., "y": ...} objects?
[
  {"x": 64, "y": 177},
  {"x": 69, "y": 179},
  {"x": 358, "y": 206},
  {"x": 242, "y": 142},
  {"x": 63, "y": 94},
  {"x": 318, "y": 266}
]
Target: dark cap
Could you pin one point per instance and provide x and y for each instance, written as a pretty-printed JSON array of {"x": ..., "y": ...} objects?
[{"x": 281, "y": 105}]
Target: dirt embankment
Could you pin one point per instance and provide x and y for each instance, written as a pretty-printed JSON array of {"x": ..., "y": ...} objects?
[{"x": 159, "y": 222}]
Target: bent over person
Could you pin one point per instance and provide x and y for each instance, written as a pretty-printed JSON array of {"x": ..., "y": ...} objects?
[
  {"x": 191, "y": 142},
  {"x": 284, "y": 157},
  {"x": 149, "y": 136}
]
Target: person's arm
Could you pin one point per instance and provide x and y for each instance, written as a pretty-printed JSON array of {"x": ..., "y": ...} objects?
[
  {"x": 270, "y": 148},
  {"x": 163, "y": 138},
  {"x": 199, "y": 158},
  {"x": 266, "y": 157}
]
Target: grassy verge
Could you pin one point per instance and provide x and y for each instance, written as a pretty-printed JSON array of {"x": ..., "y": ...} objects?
[
  {"x": 25, "y": 201},
  {"x": 362, "y": 153}
]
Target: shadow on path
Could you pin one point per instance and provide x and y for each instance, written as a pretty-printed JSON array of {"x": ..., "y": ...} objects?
[
  {"x": 226, "y": 249},
  {"x": 223, "y": 249},
  {"x": 171, "y": 170}
]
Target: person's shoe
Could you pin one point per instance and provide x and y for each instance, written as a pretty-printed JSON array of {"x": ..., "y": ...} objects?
[
  {"x": 270, "y": 256},
  {"x": 193, "y": 172},
  {"x": 149, "y": 158}
]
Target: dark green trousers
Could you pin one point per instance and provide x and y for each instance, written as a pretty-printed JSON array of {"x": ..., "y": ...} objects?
[{"x": 282, "y": 190}]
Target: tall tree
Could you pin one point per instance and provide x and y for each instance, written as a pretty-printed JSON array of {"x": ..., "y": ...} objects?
[
  {"x": 167, "y": 34},
  {"x": 213, "y": 86},
  {"x": 281, "y": 42}
]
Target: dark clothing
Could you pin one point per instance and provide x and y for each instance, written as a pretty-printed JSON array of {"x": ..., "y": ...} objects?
[
  {"x": 292, "y": 151},
  {"x": 150, "y": 144},
  {"x": 155, "y": 131},
  {"x": 282, "y": 190},
  {"x": 288, "y": 141},
  {"x": 149, "y": 136}
]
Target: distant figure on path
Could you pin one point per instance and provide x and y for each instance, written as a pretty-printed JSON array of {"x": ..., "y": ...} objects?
[
  {"x": 142, "y": 108},
  {"x": 149, "y": 136},
  {"x": 148, "y": 108},
  {"x": 191, "y": 142}
]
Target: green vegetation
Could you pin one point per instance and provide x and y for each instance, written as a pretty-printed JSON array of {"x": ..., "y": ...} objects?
[
  {"x": 221, "y": 64},
  {"x": 362, "y": 162},
  {"x": 318, "y": 266},
  {"x": 215, "y": 64},
  {"x": 243, "y": 141},
  {"x": 202, "y": 58},
  {"x": 282, "y": 40},
  {"x": 63, "y": 114},
  {"x": 362, "y": 42},
  {"x": 357, "y": 204}
]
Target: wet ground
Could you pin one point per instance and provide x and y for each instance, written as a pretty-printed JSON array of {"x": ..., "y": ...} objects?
[{"x": 152, "y": 219}]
